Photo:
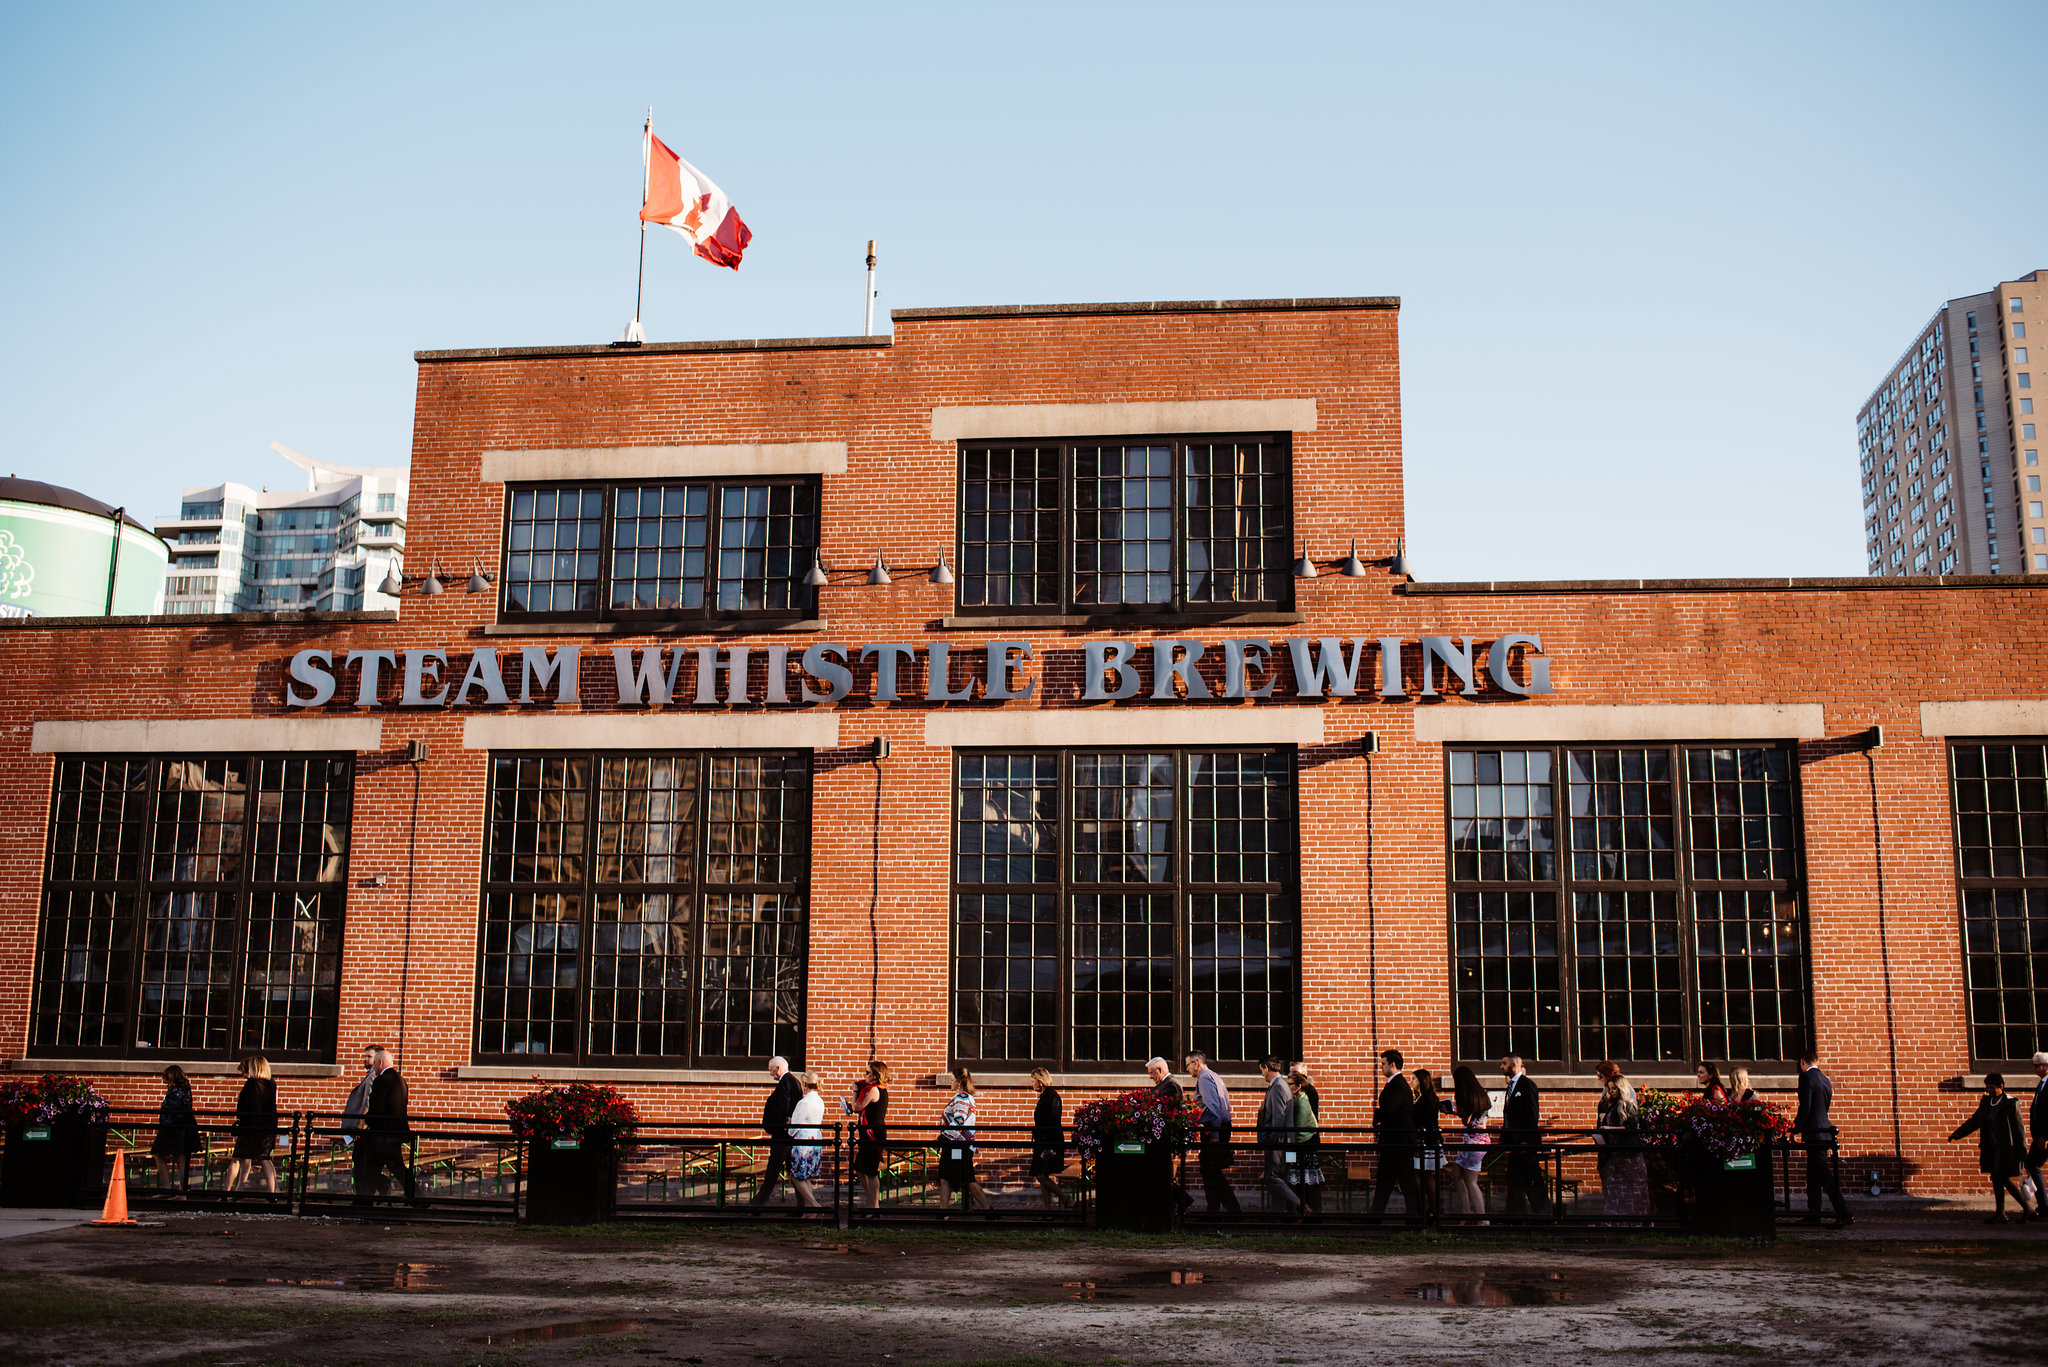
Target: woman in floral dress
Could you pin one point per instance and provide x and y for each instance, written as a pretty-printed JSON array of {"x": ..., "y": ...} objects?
[{"x": 1624, "y": 1176}]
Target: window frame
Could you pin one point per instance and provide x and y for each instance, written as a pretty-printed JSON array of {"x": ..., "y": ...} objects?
[
  {"x": 1177, "y": 604},
  {"x": 607, "y": 518},
  {"x": 1964, "y": 885},
  {"x": 1683, "y": 886},
  {"x": 1064, "y": 887},
  {"x": 245, "y": 887},
  {"x": 695, "y": 890}
]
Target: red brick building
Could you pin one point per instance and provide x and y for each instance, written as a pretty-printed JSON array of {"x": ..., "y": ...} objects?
[{"x": 1146, "y": 787}]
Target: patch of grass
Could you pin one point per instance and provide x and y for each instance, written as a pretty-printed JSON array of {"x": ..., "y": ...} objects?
[
  {"x": 1009, "y": 1362},
  {"x": 36, "y": 1302}
]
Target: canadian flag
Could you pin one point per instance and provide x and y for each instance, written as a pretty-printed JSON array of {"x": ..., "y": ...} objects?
[{"x": 682, "y": 197}]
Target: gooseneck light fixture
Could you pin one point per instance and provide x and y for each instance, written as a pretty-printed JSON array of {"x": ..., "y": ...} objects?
[
  {"x": 1304, "y": 568},
  {"x": 432, "y": 585},
  {"x": 393, "y": 585},
  {"x": 479, "y": 582},
  {"x": 942, "y": 573},
  {"x": 817, "y": 576},
  {"x": 1351, "y": 567},
  {"x": 879, "y": 575}
]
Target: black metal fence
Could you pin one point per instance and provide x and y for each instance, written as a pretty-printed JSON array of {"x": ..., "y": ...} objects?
[{"x": 468, "y": 1167}]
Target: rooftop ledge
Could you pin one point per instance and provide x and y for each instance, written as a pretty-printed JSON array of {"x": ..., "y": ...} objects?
[
  {"x": 1537, "y": 587},
  {"x": 511, "y": 353},
  {"x": 203, "y": 619},
  {"x": 1358, "y": 301}
]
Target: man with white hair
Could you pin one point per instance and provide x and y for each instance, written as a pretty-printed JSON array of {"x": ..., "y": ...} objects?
[
  {"x": 775, "y": 1113},
  {"x": 1161, "y": 1074},
  {"x": 2037, "y": 1126}
]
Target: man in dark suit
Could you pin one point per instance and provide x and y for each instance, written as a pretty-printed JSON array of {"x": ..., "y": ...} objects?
[
  {"x": 1817, "y": 1133},
  {"x": 775, "y": 1113},
  {"x": 1393, "y": 1125},
  {"x": 1521, "y": 1133},
  {"x": 387, "y": 1127}
]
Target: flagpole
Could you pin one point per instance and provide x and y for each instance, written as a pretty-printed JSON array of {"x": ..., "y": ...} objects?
[{"x": 634, "y": 333}]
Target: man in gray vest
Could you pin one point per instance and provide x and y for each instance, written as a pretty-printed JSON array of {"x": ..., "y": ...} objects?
[{"x": 1276, "y": 1133}]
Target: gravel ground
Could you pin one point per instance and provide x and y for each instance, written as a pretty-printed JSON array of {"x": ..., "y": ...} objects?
[{"x": 248, "y": 1289}]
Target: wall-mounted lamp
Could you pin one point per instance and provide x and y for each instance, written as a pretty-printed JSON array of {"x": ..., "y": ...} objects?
[
  {"x": 479, "y": 582},
  {"x": 432, "y": 585},
  {"x": 879, "y": 575},
  {"x": 1304, "y": 568},
  {"x": 1397, "y": 563},
  {"x": 1351, "y": 567},
  {"x": 816, "y": 577},
  {"x": 393, "y": 585},
  {"x": 942, "y": 573}
]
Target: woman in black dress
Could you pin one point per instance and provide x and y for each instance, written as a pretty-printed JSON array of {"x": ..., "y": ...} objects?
[
  {"x": 1048, "y": 1139},
  {"x": 255, "y": 1125},
  {"x": 871, "y": 1130},
  {"x": 1429, "y": 1135},
  {"x": 2000, "y": 1146},
  {"x": 177, "y": 1131}
]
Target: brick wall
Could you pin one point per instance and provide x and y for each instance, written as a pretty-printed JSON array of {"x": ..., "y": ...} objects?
[{"x": 1867, "y": 654}]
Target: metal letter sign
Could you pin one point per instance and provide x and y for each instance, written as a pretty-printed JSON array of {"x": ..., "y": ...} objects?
[{"x": 1321, "y": 667}]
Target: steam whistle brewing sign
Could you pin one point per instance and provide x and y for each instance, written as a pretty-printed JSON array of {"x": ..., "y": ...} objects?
[{"x": 1111, "y": 671}]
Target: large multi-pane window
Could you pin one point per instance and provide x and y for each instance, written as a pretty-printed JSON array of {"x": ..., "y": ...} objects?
[
  {"x": 1149, "y": 525},
  {"x": 192, "y": 907},
  {"x": 1113, "y": 906},
  {"x": 1636, "y": 903},
  {"x": 2001, "y": 807},
  {"x": 645, "y": 908},
  {"x": 651, "y": 550}
]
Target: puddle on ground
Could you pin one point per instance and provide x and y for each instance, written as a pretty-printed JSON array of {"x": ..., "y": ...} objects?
[
  {"x": 1479, "y": 1288},
  {"x": 1120, "y": 1288},
  {"x": 565, "y": 1329},
  {"x": 384, "y": 1277}
]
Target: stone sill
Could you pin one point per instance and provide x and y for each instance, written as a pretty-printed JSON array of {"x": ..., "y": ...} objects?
[
  {"x": 716, "y": 1077},
  {"x": 152, "y": 1067},
  {"x": 706, "y": 626},
  {"x": 1122, "y": 1082},
  {"x": 1111, "y": 621},
  {"x": 1663, "y": 1082},
  {"x": 2019, "y": 1081}
]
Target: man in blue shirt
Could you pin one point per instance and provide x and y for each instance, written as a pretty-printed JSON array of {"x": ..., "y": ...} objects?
[{"x": 1216, "y": 1153}]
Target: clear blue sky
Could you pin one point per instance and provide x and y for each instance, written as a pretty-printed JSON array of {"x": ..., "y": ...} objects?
[{"x": 1651, "y": 257}]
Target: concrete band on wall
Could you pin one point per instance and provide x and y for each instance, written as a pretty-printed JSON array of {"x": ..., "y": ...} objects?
[
  {"x": 2016, "y": 717},
  {"x": 228, "y": 733},
  {"x": 658, "y": 731},
  {"x": 1622, "y": 722},
  {"x": 667, "y": 462},
  {"x": 1180, "y": 726},
  {"x": 969, "y": 422}
]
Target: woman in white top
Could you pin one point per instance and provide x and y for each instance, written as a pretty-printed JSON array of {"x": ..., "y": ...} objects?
[{"x": 806, "y": 1128}]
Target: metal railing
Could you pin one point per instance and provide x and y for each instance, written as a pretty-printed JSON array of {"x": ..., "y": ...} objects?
[{"x": 470, "y": 1167}]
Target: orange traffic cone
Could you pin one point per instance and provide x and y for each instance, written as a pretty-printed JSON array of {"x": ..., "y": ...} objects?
[{"x": 115, "y": 1212}]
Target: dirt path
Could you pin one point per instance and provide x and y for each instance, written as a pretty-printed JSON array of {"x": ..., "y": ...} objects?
[{"x": 248, "y": 1290}]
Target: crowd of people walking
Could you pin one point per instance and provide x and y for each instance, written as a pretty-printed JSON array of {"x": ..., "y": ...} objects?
[{"x": 1431, "y": 1139}]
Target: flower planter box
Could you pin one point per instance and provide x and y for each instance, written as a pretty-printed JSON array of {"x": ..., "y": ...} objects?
[
  {"x": 571, "y": 1181},
  {"x": 62, "y": 1164},
  {"x": 1732, "y": 1198},
  {"x": 1134, "y": 1188}
]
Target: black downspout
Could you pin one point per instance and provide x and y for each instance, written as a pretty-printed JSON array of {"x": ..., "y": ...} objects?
[{"x": 114, "y": 558}]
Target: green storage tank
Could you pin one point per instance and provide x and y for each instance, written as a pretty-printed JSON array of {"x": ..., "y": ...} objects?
[{"x": 59, "y": 557}]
